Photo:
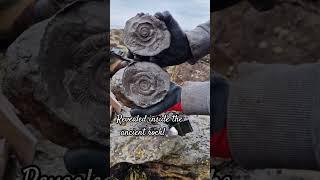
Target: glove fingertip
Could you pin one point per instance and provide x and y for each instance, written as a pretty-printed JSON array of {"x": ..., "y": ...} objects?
[
  {"x": 140, "y": 14},
  {"x": 159, "y": 16},
  {"x": 166, "y": 14}
]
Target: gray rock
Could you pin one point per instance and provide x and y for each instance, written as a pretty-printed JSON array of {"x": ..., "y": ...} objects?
[
  {"x": 117, "y": 89},
  {"x": 116, "y": 85},
  {"x": 59, "y": 66},
  {"x": 140, "y": 149},
  {"x": 50, "y": 158},
  {"x": 145, "y": 83},
  {"x": 190, "y": 150},
  {"x": 146, "y": 35}
]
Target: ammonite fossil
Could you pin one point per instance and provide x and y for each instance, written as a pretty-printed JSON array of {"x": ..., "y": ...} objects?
[
  {"x": 145, "y": 83},
  {"x": 145, "y": 35},
  {"x": 88, "y": 84},
  {"x": 61, "y": 66}
]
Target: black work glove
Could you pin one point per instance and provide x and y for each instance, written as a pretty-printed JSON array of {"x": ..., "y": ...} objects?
[
  {"x": 179, "y": 50},
  {"x": 219, "y": 90},
  {"x": 79, "y": 161},
  {"x": 172, "y": 102}
]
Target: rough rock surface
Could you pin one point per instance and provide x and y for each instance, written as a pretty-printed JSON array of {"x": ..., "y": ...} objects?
[
  {"x": 145, "y": 83},
  {"x": 187, "y": 151},
  {"x": 146, "y": 35},
  {"x": 56, "y": 74},
  {"x": 48, "y": 157},
  {"x": 243, "y": 34},
  {"x": 117, "y": 89},
  {"x": 142, "y": 83}
]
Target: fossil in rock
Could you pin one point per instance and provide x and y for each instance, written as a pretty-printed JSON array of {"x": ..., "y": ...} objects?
[
  {"x": 89, "y": 82},
  {"x": 117, "y": 88},
  {"x": 60, "y": 65},
  {"x": 145, "y": 83},
  {"x": 145, "y": 35}
]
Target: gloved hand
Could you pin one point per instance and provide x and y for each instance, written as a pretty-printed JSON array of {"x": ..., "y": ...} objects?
[
  {"x": 179, "y": 50},
  {"x": 219, "y": 94},
  {"x": 172, "y": 102}
]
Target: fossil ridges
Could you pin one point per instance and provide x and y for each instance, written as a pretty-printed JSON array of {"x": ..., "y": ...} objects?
[
  {"x": 145, "y": 83},
  {"x": 61, "y": 65},
  {"x": 146, "y": 35}
]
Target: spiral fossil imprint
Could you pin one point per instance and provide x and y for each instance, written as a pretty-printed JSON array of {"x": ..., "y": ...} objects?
[
  {"x": 59, "y": 65},
  {"x": 146, "y": 35},
  {"x": 145, "y": 83}
]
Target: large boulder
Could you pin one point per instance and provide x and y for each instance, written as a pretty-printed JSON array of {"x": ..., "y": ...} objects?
[{"x": 162, "y": 156}]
